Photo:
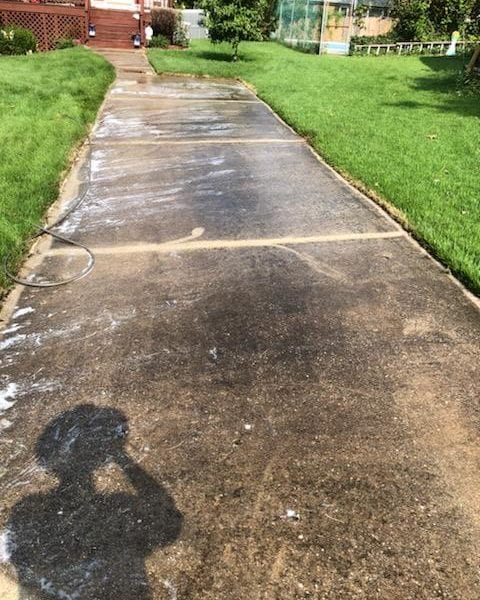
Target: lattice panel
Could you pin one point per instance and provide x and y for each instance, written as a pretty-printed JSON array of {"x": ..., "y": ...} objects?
[{"x": 48, "y": 28}]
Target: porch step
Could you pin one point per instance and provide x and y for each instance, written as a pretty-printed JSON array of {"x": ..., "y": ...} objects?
[
  {"x": 113, "y": 44},
  {"x": 114, "y": 28}
]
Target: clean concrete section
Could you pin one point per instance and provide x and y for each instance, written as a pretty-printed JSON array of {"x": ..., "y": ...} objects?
[{"x": 264, "y": 390}]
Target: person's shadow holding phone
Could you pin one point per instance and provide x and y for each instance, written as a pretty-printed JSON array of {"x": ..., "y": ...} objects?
[{"x": 75, "y": 542}]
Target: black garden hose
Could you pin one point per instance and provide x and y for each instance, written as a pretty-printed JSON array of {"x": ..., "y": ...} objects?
[{"x": 49, "y": 231}]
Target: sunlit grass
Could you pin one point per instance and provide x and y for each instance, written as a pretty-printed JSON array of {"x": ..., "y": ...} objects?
[
  {"x": 47, "y": 102},
  {"x": 396, "y": 124}
]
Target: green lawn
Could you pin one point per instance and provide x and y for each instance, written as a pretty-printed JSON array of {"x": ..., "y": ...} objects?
[
  {"x": 37, "y": 93},
  {"x": 395, "y": 124}
]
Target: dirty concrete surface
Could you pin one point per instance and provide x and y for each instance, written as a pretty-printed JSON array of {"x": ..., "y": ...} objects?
[{"x": 263, "y": 390}]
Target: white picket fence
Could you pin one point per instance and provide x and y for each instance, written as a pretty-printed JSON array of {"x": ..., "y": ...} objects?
[{"x": 408, "y": 48}]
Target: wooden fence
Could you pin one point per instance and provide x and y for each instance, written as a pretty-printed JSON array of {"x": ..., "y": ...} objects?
[{"x": 49, "y": 21}]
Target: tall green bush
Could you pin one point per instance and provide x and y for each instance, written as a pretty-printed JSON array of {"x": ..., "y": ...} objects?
[{"x": 164, "y": 21}]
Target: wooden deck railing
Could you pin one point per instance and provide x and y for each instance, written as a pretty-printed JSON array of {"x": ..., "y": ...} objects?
[
  {"x": 49, "y": 21},
  {"x": 71, "y": 3}
]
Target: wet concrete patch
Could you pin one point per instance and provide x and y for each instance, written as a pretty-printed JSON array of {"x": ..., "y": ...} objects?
[
  {"x": 125, "y": 61},
  {"x": 151, "y": 194},
  {"x": 179, "y": 119},
  {"x": 181, "y": 88}
]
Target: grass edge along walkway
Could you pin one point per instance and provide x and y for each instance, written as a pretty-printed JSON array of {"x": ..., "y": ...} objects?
[
  {"x": 396, "y": 127},
  {"x": 48, "y": 102}
]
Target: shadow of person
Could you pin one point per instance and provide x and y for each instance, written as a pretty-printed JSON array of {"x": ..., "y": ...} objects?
[{"x": 76, "y": 543}]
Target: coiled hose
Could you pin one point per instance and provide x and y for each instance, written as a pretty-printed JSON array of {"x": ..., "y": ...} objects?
[{"x": 48, "y": 231}]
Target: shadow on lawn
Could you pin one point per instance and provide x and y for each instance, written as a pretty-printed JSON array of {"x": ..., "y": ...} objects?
[
  {"x": 444, "y": 82},
  {"x": 221, "y": 56}
]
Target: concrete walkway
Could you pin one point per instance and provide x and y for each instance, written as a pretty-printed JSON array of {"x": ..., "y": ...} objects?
[{"x": 264, "y": 390}]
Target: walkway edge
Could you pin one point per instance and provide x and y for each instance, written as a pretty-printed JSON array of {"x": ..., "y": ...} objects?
[{"x": 380, "y": 204}]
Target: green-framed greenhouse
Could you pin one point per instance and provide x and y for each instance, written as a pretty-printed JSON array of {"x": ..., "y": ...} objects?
[{"x": 328, "y": 25}]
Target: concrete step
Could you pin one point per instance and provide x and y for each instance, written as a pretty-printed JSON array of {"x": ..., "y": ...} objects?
[
  {"x": 121, "y": 35},
  {"x": 107, "y": 43},
  {"x": 116, "y": 28}
]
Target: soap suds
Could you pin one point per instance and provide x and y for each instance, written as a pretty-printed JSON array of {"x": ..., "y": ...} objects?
[
  {"x": 8, "y": 392},
  {"x": 22, "y": 311}
]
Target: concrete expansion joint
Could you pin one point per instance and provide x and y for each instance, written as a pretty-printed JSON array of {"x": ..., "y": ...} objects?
[
  {"x": 175, "y": 142},
  {"x": 190, "y": 244},
  {"x": 143, "y": 96}
]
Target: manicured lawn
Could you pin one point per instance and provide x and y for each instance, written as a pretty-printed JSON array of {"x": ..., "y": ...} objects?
[
  {"x": 396, "y": 124},
  {"x": 36, "y": 139}
]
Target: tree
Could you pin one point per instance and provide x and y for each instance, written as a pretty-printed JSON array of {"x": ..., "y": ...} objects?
[
  {"x": 474, "y": 26},
  {"x": 420, "y": 19},
  {"x": 450, "y": 15},
  {"x": 234, "y": 21},
  {"x": 360, "y": 14},
  {"x": 269, "y": 17},
  {"x": 413, "y": 22}
]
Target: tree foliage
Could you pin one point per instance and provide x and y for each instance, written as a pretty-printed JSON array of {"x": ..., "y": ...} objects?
[
  {"x": 413, "y": 21},
  {"x": 359, "y": 16},
  {"x": 424, "y": 19},
  {"x": 234, "y": 21},
  {"x": 269, "y": 17}
]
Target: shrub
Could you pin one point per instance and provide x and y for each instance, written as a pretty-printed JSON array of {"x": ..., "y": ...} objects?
[
  {"x": 181, "y": 35},
  {"x": 365, "y": 40},
  {"x": 163, "y": 22},
  {"x": 63, "y": 43},
  {"x": 388, "y": 38},
  {"x": 469, "y": 80},
  {"x": 16, "y": 40},
  {"x": 471, "y": 85},
  {"x": 159, "y": 41}
]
